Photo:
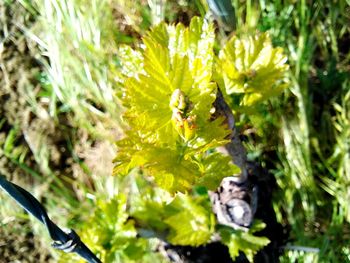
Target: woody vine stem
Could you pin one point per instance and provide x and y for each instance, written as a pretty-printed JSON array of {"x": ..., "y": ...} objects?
[{"x": 235, "y": 201}]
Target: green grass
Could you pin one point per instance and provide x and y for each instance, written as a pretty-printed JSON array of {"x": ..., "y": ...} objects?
[
  {"x": 312, "y": 119},
  {"x": 41, "y": 136},
  {"x": 79, "y": 44}
]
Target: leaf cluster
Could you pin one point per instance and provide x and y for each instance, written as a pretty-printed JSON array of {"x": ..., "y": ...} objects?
[
  {"x": 112, "y": 235},
  {"x": 169, "y": 105},
  {"x": 131, "y": 228},
  {"x": 184, "y": 220},
  {"x": 169, "y": 86},
  {"x": 251, "y": 67}
]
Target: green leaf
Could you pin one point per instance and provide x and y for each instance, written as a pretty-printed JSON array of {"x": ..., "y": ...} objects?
[
  {"x": 156, "y": 58},
  {"x": 109, "y": 231},
  {"x": 238, "y": 240},
  {"x": 191, "y": 221},
  {"x": 253, "y": 67},
  {"x": 183, "y": 219}
]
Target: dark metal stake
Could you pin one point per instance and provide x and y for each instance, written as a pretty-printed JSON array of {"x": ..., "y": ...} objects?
[{"x": 68, "y": 242}]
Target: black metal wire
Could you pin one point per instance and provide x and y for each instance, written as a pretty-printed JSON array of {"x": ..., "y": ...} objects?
[{"x": 68, "y": 242}]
